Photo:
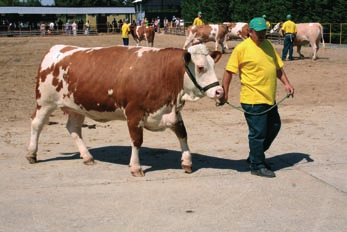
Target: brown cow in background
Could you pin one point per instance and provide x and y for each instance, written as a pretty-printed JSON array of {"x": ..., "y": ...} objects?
[{"x": 140, "y": 33}]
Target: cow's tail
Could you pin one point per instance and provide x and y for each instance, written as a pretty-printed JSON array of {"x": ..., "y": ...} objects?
[{"x": 322, "y": 34}]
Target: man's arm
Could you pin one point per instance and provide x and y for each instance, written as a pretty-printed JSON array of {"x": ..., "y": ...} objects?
[
  {"x": 284, "y": 79},
  {"x": 227, "y": 77}
]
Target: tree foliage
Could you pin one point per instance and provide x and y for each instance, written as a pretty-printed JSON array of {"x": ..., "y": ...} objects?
[
  {"x": 20, "y": 3},
  {"x": 333, "y": 11}
]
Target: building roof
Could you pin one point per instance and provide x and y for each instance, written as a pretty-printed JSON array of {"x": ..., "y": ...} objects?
[{"x": 66, "y": 10}]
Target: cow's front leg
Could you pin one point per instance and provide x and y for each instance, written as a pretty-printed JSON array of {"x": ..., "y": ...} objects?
[
  {"x": 180, "y": 130},
  {"x": 136, "y": 135},
  {"x": 74, "y": 126}
]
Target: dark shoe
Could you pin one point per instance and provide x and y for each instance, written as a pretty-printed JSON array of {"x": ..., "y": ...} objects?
[
  {"x": 268, "y": 166},
  {"x": 264, "y": 172}
]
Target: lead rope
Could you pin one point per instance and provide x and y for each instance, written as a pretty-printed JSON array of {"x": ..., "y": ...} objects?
[{"x": 255, "y": 114}]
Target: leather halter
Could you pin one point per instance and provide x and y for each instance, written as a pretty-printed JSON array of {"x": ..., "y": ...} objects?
[{"x": 193, "y": 79}]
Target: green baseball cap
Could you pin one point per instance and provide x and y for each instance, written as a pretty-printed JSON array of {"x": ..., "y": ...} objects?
[
  {"x": 199, "y": 12},
  {"x": 258, "y": 24},
  {"x": 289, "y": 16}
]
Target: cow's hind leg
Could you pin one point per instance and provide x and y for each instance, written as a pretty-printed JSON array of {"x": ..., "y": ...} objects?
[
  {"x": 315, "y": 47},
  {"x": 136, "y": 135},
  {"x": 39, "y": 119},
  {"x": 299, "y": 52},
  {"x": 180, "y": 130},
  {"x": 74, "y": 126}
]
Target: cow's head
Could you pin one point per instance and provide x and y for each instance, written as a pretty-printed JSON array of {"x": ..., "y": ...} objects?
[
  {"x": 277, "y": 28},
  {"x": 200, "y": 77}
]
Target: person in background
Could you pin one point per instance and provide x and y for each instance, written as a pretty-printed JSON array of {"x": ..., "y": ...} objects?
[
  {"x": 67, "y": 27},
  {"x": 74, "y": 28},
  {"x": 43, "y": 28},
  {"x": 289, "y": 31},
  {"x": 166, "y": 23},
  {"x": 158, "y": 24},
  {"x": 198, "y": 21},
  {"x": 125, "y": 33},
  {"x": 145, "y": 22},
  {"x": 114, "y": 24},
  {"x": 268, "y": 24},
  {"x": 86, "y": 32},
  {"x": 258, "y": 65}
]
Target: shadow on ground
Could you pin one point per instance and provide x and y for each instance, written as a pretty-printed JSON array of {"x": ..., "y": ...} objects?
[{"x": 162, "y": 159}]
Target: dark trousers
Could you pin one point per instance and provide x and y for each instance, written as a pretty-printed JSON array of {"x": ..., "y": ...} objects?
[
  {"x": 288, "y": 45},
  {"x": 125, "y": 41},
  {"x": 262, "y": 131}
]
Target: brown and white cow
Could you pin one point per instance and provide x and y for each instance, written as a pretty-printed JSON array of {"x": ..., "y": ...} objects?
[
  {"x": 237, "y": 31},
  {"x": 308, "y": 33},
  {"x": 118, "y": 83},
  {"x": 206, "y": 33},
  {"x": 140, "y": 33}
]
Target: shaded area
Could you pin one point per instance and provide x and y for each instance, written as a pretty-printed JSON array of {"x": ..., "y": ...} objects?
[{"x": 163, "y": 159}]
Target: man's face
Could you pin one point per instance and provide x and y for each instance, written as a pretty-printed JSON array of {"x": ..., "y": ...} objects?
[{"x": 258, "y": 36}]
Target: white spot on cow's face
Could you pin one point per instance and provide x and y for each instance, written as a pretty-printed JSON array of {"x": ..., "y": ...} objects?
[{"x": 110, "y": 92}]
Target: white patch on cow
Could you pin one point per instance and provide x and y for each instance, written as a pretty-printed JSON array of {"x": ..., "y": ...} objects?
[
  {"x": 141, "y": 51},
  {"x": 110, "y": 92},
  {"x": 236, "y": 32},
  {"x": 199, "y": 49},
  {"x": 55, "y": 55},
  {"x": 311, "y": 24},
  {"x": 160, "y": 120}
]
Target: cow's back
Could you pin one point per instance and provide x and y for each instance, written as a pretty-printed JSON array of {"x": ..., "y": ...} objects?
[
  {"x": 308, "y": 32},
  {"x": 106, "y": 79}
]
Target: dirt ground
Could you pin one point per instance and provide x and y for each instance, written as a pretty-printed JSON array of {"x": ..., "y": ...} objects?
[{"x": 61, "y": 194}]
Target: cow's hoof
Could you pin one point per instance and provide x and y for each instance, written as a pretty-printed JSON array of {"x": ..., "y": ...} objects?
[
  {"x": 187, "y": 168},
  {"x": 31, "y": 158},
  {"x": 138, "y": 173},
  {"x": 88, "y": 160}
]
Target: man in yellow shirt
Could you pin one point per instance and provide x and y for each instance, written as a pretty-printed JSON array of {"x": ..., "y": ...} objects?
[
  {"x": 198, "y": 21},
  {"x": 289, "y": 31},
  {"x": 268, "y": 24},
  {"x": 258, "y": 65},
  {"x": 125, "y": 32}
]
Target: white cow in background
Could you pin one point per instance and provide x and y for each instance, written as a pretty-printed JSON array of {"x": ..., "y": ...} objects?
[{"x": 308, "y": 33}]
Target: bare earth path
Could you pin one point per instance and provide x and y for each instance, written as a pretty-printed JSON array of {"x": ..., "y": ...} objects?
[{"x": 61, "y": 194}]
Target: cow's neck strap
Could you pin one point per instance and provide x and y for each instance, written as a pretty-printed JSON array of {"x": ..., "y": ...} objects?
[{"x": 193, "y": 79}]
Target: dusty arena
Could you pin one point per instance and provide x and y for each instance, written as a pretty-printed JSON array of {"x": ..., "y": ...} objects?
[{"x": 59, "y": 193}]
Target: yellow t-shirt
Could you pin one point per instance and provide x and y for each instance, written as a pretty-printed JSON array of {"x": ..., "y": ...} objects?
[
  {"x": 268, "y": 24},
  {"x": 257, "y": 68},
  {"x": 289, "y": 27},
  {"x": 198, "y": 22},
  {"x": 125, "y": 30}
]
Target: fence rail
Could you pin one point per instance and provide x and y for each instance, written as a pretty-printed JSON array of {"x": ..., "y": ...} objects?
[{"x": 334, "y": 33}]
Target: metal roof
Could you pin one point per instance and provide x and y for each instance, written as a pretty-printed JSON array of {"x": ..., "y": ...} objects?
[{"x": 66, "y": 10}]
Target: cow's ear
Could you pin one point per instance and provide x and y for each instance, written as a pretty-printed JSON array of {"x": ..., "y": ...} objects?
[
  {"x": 187, "y": 58},
  {"x": 216, "y": 55}
]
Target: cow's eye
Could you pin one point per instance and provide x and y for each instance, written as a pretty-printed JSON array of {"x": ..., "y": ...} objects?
[{"x": 201, "y": 69}]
